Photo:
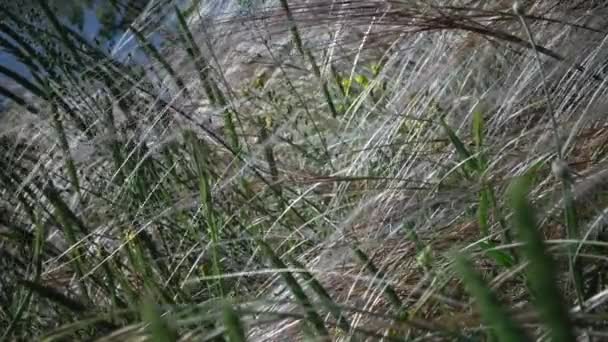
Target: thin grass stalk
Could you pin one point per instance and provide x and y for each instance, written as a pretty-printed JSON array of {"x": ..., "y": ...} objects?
[
  {"x": 295, "y": 34},
  {"x": 156, "y": 55},
  {"x": 37, "y": 261},
  {"x": 206, "y": 201},
  {"x": 202, "y": 67},
  {"x": 390, "y": 293},
  {"x": 212, "y": 90},
  {"x": 326, "y": 300},
  {"x": 569, "y": 209},
  {"x": 298, "y": 292},
  {"x": 55, "y": 296},
  {"x": 541, "y": 271},
  {"x": 65, "y": 148},
  {"x": 68, "y": 219},
  {"x": 269, "y": 155}
]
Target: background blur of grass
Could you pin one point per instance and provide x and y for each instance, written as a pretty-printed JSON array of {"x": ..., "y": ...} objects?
[{"x": 306, "y": 170}]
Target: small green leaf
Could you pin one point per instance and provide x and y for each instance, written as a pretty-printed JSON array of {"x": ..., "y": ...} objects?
[
  {"x": 501, "y": 258},
  {"x": 362, "y": 80},
  {"x": 462, "y": 151},
  {"x": 376, "y": 68},
  {"x": 346, "y": 83}
]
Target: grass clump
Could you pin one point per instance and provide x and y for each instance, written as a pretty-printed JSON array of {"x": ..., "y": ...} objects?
[{"x": 306, "y": 170}]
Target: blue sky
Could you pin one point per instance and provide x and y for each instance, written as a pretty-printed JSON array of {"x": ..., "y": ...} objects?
[
  {"x": 90, "y": 31},
  {"x": 91, "y": 27}
]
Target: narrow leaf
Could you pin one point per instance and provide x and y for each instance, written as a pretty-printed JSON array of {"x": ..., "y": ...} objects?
[
  {"x": 489, "y": 306},
  {"x": 541, "y": 271}
]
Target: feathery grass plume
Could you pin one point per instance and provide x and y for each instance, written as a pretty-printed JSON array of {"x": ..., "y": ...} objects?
[
  {"x": 541, "y": 270},
  {"x": 492, "y": 311}
]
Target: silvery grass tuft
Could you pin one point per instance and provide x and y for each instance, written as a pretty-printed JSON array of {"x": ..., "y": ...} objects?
[{"x": 320, "y": 170}]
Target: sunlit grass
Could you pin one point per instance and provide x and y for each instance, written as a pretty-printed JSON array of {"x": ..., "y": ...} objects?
[{"x": 309, "y": 171}]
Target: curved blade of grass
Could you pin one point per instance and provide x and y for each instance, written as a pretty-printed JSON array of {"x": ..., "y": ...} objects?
[
  {"x": 24, "y": 82},
  {"x": 491, "y": 309},
  {"x": 389, "y": 292},
  {"x": 202, "y": 67},
  {"x": 18, "y": 100},
  {"x": 325, "y": 298},
  {"x": 297, "y": 40},
  {"x": 298, "y": 292},
  {"x": 151, "y": 50},
  {"x": 462, "y": 151},
  {"x": 65, "y": 148},
  {"x": 61, "y": 30},
  {"x": 199, "y": 153},
  {"x": 541, "y": 271},
  {"x": 54, "y": 296}
]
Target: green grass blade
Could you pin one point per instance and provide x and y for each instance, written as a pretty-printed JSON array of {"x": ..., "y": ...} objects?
[
  {"x": 478, "y": 126},
  {"x": 54, "y": 296},
  {"x": 325, "y": 299},
  {"x": 233, "y": 324},
  {"x": 489, "y": 306},
  {"x": 478, "y": 138},
  {"x": 389, "y": 292},
  {"x": 298, "y": 292},
  {"x": 160, "y": 330},
  {"x": 297, "y": 40},
  {"x": 151, "y": 50},
  {"x": 483, "y": 212},
  {"x": 541, "y": 271},
  {"x": 202, "y": 67},
  {"x": 463, "y": 153}
]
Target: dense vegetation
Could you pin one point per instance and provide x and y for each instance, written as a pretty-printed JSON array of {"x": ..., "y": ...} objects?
[{"x": 394, "y": 170}]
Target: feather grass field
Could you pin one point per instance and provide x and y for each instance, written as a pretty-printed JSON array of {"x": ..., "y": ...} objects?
[{"x": 307, "y": 170}]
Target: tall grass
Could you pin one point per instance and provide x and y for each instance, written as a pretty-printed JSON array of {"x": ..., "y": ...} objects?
[{"x": 307, "y": 170}]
